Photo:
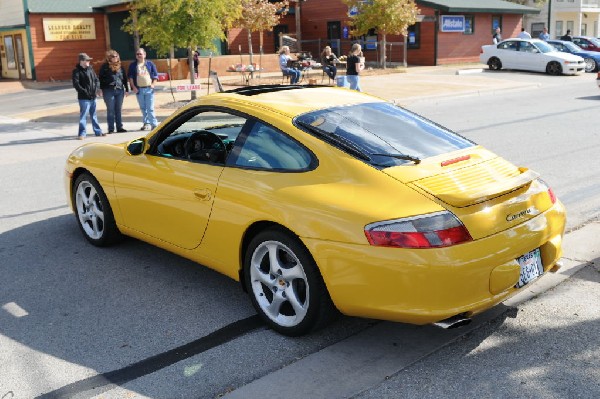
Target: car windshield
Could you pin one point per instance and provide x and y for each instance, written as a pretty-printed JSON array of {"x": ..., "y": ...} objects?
[
  {"x": 381, "y": 133},
  {"x": 595, "y": 41},
  {"x": 544, "y": 47},
  {"x": 572, "y": 47}
]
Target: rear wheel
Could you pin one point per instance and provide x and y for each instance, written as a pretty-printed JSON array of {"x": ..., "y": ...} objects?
[
  {"x": 554, "y": 68},
  {"x": 495, "y": 64},
  {"x": 590, "y": 65},
  {"x": 93, "y": 212},
  {"x": 285, "y": 285}
]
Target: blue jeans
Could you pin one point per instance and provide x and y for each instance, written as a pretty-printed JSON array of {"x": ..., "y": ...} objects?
[
  {"x": 145, "y": 98},
  {"x": 114, "y": 104},
  {"x": 294, "y": 74},
  {"x": 330, "y": 70},
  {"x": 85, "y": 107},
  {"x": 354, "y": 81}
]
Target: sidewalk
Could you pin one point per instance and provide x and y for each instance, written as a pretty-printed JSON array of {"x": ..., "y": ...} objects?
[{"x": 402, "y": 86}]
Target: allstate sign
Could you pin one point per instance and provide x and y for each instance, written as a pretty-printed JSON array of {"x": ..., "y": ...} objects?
[{"x": 453, "y": 23}]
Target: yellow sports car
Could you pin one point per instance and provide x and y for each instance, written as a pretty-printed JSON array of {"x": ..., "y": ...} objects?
[{"x": 321, "y": 199}]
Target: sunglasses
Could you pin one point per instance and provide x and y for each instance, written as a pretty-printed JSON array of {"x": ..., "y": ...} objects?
[{"x": 114, "y": 56}]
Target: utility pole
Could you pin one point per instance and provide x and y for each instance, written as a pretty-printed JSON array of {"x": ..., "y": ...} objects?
[{"x": 549, "y": 15}]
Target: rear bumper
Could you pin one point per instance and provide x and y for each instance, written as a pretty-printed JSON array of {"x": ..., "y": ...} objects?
[{"x": 422, "y": 286}]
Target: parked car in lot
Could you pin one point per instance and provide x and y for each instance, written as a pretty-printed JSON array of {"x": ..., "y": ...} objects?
[
  {"x": 530, "y": 55},
  {"x": 587, "y": 43},
  {"x": 591, "y": 58},
  {"x": 321, "y": 199}
]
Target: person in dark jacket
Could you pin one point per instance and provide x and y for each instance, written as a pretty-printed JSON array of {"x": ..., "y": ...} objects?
[
  {"x": 87, "y": 85},
  {"x": 114, "y": 85}
]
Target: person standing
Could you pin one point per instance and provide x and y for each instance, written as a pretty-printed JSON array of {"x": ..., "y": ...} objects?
[
  {"x": 114, "y": 85},
  {"x": 544, "y": 35},
  {"x": 524, "y": 34},
  {"x": 497, "y": 37},
  {"x": 567, "y": 36},
  {"x": 142, "y": 77},
  {"x": 87, "y": 85},
  {"x": 354, "y": 64},
  {"x": 284, "y": 63},
  {"x": 328, "y": 60}
]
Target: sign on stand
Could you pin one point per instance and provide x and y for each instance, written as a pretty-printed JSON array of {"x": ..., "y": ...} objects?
[{"x": 188, "y": 87}]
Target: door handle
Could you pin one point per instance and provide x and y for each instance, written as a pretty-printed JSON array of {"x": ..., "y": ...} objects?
[{"x": 203, "y": 194}]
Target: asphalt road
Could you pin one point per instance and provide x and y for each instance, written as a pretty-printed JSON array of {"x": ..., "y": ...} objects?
[{"x": 135, "y": 321}]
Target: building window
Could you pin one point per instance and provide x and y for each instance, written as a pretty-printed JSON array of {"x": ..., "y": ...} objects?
[
  {"x": 583, "y": 29},
  {"x": 469, "y": 25},
  {"x": 570, "y": 26},
  {"x": 11, "y": 62},
  {"x": 496, "y": 23},
  {"x": 537, "y": 28},
  {"x": 559, "y": 29},
  {"x": 414, "y": 36}
]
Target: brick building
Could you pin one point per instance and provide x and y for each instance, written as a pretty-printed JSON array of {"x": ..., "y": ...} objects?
[{"x": 39, "y": 39}]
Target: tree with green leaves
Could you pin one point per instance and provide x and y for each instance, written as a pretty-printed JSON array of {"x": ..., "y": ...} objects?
[
  {"x": 386, "y": 16},
  {"x": 163, "y": 24},
  {"x": 258, "y": 16}
]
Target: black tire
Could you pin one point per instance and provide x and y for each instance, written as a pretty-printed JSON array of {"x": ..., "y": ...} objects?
[
  {"x": 93, "y": 212},
  {"x": 590, "y": 65},
  {"x": 495, "y": 64},
  {"x": 554, "y": 68},
  {"x": 285, "y": 285}
]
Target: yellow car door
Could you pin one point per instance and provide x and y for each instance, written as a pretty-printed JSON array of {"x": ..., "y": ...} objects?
[{"x": 166, "y": 198}]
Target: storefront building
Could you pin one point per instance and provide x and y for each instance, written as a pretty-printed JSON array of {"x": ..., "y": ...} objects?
[{"x": 40, "y": 39}]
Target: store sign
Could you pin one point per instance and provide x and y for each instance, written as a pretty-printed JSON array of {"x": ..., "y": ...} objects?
[
  {"x": 452, "y": 23},
  {"x": 63, "y": 29}
]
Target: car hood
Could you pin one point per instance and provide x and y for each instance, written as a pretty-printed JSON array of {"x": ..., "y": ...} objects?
[
  {"x": 488, "y": 193},
  {"x": 565, "y": 56}
]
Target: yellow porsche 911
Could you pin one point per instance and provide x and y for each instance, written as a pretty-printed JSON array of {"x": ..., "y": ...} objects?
[{"x": 321, "y": 200}]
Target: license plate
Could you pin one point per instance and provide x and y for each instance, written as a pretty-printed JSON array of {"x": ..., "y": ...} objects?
[{"x": 531, "y": 267}]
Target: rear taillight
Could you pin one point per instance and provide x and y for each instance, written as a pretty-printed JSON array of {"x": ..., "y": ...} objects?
[
  {"x": 549, "y": 190},
  {"x": 440, "y": 229}
]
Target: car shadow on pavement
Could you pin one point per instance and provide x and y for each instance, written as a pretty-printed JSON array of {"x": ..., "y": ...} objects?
[{"x": 105, "y": 309}]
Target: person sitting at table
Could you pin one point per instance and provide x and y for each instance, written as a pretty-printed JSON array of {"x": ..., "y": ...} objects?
[
  {"x": 284, "y": 62},
  {"x": 328, "y": 60}
]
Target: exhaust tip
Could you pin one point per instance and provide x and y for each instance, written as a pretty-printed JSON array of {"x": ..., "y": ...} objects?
[{"x": 453, "y": 322}]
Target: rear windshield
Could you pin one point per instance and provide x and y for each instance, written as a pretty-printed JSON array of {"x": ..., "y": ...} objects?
[{"x": 381, "y": 133}]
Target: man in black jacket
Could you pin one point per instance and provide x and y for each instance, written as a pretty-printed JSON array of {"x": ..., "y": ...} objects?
[{"x": 87, "y": 85}]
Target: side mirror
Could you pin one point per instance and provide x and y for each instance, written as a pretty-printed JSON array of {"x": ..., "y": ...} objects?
[{"x": 136, "y": 147}]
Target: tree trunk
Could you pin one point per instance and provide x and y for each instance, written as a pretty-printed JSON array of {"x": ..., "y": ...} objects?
[
  {"x": 191, "y": 68},
  {"x": 251, "y": 58},
  {"x": 383, "y": 50}
]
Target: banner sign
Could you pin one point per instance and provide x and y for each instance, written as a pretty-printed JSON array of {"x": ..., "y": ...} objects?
[
  {"x": 452, "y": 23},
  {"x": 63, "y": 29}
]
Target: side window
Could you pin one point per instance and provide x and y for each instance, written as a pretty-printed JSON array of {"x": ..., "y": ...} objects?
[
  {"x": 527, "y": 47},
  {"x": 508, "y": 45},
  {"x": 202, "y": 136},
  {"x": 268, "y": 148}
]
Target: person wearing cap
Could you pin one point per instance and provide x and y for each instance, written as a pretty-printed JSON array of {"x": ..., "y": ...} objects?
[
  {"x": 142, "y": 76},
  {"x": 87, "y": 85}
]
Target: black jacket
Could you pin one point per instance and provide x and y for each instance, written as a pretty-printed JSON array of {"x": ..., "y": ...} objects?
[
  {"x": 113, "y": 80},
  {"x": 85, "y": 82}
]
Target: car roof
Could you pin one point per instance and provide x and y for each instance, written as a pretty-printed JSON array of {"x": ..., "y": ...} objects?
[{"x": 291, "y": 100}]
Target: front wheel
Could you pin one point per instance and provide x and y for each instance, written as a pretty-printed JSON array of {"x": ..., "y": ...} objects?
[
  {"x": 285, "y": 285},
  {"x": 554, "y": 68},
  {"x": 590, "y": 65},
  {"x": 93, "y": 212},
  {"x": 495, "y": 64}
]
